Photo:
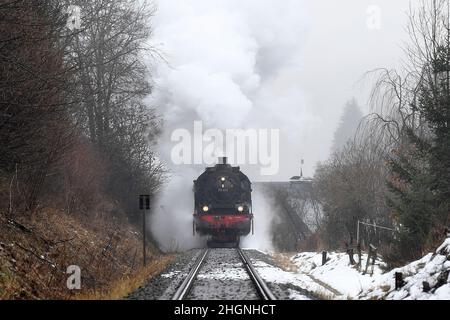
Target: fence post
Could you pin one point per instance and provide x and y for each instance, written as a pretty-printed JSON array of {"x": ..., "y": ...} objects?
[
  {"x": 368, "y": 259},
  {"x": 399, "y": 280},
  {"x": 359, "y": 256},
  {"x": 357, "y": 232},
  {"x": 374, "y": 258},
  {"x": 324, "y": 257},
  {"x": 350, "y": 254}
]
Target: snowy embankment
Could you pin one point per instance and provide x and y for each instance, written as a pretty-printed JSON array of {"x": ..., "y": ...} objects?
[
  {"x": 337, "y": 273},
  {"x": 433, "y": 269},
  {"x": 304, "y": 273},
  {"x": 346, "y": 282}
]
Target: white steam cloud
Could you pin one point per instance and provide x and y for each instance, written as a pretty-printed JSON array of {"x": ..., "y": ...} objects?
[
  {"x": 231, "y": 64},
  {"x": 261, "y": 239}
]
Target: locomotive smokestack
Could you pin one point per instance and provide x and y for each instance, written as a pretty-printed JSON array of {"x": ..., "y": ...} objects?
[{"x": 223, "y": 160}]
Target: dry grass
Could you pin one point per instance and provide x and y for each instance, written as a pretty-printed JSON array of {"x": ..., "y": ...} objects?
[
  {"x": 120, "y": 289},
  {"x": 8, "y": 283},
  {"x": 323, "y": 296},
  {"x": 284, "y": 262},
  {"x": 35, "y": 253}
]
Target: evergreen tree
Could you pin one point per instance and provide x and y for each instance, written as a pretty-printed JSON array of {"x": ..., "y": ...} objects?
[
  {"x": 420, "y": 164},
  {"x": 435, "y": 107},
  {"x": 420, "y": 167},
  {"x": 348, "y": 125},
  {"x": 411, "y": 198}
]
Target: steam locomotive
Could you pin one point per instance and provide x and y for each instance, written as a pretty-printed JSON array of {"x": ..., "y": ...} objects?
[{"x": 223, "y": 205}]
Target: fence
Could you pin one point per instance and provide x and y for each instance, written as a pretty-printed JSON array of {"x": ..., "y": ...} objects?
[{"x": 371, "y": 257}]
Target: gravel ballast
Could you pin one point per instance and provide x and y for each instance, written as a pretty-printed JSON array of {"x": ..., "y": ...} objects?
[{"x": 222, "y": 277}]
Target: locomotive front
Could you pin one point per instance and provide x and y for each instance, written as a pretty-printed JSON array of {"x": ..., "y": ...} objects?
[{"x": 223, "y": 204}]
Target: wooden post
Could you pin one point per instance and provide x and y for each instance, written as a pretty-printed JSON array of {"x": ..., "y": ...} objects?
[
  {"x": 357, "y": 233},
  {"x": 134, "y": 259},
  {"x": 359, "y": 256},
  {"x": 324, "y": 257},
  {"x": 426, "y": 287},
  {"x": 399, "y": 280},
  {"x": 374, "y": 258},
  {"x": 350, "y": 254},
  {"x": 368, "y": 260}
]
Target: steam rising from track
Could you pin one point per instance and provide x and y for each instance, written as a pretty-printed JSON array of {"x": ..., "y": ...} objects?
[{"x": 231, "y": 64}]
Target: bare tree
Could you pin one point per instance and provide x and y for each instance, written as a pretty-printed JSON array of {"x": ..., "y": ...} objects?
[
  {"x": 35, "y": 126},
  {"x": 351, "y": 187},
  {"x": 108, "y": 56},
  {"x": 408, "y": 107}
]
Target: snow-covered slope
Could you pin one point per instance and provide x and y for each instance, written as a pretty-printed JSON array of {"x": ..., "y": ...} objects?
[
  {"x": 337, "y": 273},
  {"x": 433, "y": 268},
  {"x": 346, "y": 282}
]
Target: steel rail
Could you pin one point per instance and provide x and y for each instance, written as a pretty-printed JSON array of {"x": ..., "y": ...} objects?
[
  {"x": 263, "y": 290},
  {"x": 186, "y": 286}
]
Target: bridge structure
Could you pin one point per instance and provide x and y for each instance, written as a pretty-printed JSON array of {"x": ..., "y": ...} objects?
[{"x": 293, "y": 205}]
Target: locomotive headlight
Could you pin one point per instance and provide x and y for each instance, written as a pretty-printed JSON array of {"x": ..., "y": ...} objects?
[
  {"x": 223, "y": 179},
  {"x": 205, "y": 209},
  {"x": 240, "y": 208}
]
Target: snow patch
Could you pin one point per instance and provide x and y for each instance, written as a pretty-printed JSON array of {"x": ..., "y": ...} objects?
[
  {"x": 272, "y": 274},
  {"x": 338, "y": 279},
  {"x": 170, "y": 274},
  {"x": 337, "y": 273},
  {"x": 434, "y": 268}
]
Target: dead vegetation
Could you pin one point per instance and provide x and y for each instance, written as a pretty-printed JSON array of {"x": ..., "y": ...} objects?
[
  {"x": 35, "y": 254},
  {"x": 284, "y": 262},
  {"x": 127, "y": 284}
]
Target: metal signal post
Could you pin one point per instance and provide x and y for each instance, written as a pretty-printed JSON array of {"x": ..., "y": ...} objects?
[{"x": 144, "y": 204}]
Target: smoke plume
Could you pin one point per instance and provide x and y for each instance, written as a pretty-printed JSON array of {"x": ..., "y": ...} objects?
[{"x": 230, "y": 64}]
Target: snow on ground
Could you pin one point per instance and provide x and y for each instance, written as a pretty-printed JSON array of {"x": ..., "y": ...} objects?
[
  {"x": 337, "y": 273},
  {"x": 346, "y": 282},
  {"x": 433, "y": 268},
  {"x": 276, "y": 275},
  {"x": 294, "y": 295},
  {"x": 227, "y": 271},
  {"x": 170, "y": 274},
  {"x": 338, "y": 279},
  {"x": 304, "y": 277}
]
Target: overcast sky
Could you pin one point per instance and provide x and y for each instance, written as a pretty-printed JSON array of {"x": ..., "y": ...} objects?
[
  {"x": 281, "y": 64},
  {"x": 289, "y": 64}
]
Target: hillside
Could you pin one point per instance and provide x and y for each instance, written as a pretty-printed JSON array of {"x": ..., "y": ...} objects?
[
  {"x": 338, "y": 279},
  {"x": 433, "y": 269},
  {"x": 36, "y": 252}
]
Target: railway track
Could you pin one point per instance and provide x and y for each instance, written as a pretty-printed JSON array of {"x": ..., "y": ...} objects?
[{"x": 208, "y": 264}]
